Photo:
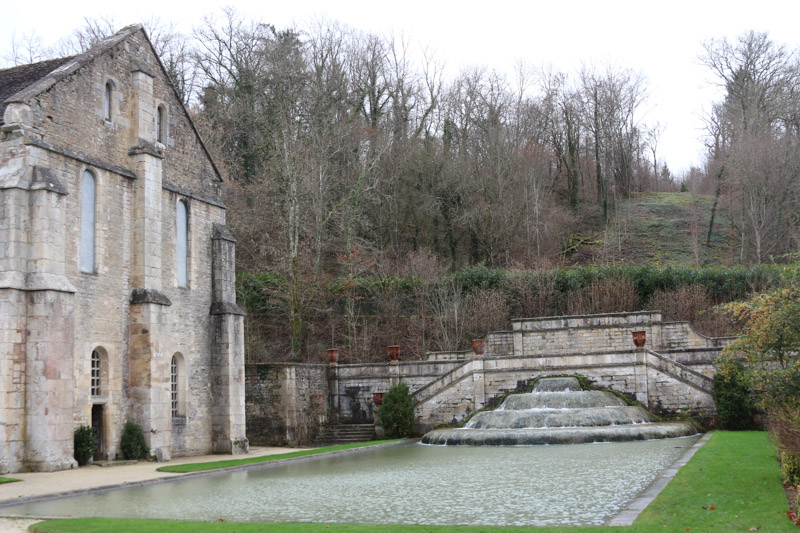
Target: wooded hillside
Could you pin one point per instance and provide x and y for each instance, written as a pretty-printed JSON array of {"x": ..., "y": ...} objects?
[{"x": 361, "y": 183}]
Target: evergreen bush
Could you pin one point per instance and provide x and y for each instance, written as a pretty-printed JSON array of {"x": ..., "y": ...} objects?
[
  {"x": 132, "y": 442},
  {"x": 732, "y": 396},
  {"x": 397, "y": 412},
  {"x": 83, "y": 444}
]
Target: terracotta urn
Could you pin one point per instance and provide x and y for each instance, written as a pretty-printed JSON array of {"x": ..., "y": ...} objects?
[
  {"x": 333, "y": 356},
  {"x": 394, "y": 353},
  {"x": 377, "y": 398},
  {"x": 639, "y": 338},
  {"x": 478, "y": 345}
]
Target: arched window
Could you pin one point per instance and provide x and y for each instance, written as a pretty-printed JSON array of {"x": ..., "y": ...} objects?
[
  {"x": 161, "y": 124},
  {"x": 182, "y": 244},
  {"x": 99, "y": 370},
  {"x": 87, "y": 221},
  {"x": 95, "y": 373},
  {"x": 177, "y": 382},
  {"x": 107, "y": 101}
]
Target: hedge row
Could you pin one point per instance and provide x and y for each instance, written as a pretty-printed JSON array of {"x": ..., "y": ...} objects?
[{"x": 267, "y": 293}]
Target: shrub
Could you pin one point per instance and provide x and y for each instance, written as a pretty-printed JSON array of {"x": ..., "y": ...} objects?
[
  {"x": 397, "y": 412},
  {"x": 479, "y": 277},
  {"x": 84, "y": 444},
  {"x": 606, "y": 295},
  {"x": 132, "y": 442},
  {"x": 790, "y": 468},
  {"x": 732, "y": 395}
]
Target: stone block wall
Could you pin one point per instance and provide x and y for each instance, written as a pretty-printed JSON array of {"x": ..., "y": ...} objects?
[
  {"x": 352, "y": 386},
  {"x": 130, "y": 308},
  {"x": 285, "y": 404}
]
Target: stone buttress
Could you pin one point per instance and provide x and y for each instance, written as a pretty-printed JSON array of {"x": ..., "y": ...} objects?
[
  {"x": 227, "y": 350},
  {"x": 149, "y": 339},
  {"x": 36, "y": 306}
]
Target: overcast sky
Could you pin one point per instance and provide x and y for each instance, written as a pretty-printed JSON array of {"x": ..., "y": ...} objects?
[{"x": 662, "y": 40}]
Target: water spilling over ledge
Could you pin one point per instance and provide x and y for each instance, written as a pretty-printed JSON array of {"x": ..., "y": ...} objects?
[{"x": 558, "y": 411}]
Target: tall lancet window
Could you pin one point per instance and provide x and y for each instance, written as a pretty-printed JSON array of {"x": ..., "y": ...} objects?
[
  {"x": 161, "y": 124},
  {"x": 182, "y": 244},
  {"x": 87, "y": 221},
  {"x": 107, "y": 101}
]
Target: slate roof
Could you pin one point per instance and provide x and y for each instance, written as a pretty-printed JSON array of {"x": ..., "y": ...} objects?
[{"x": 14, "y": 79}]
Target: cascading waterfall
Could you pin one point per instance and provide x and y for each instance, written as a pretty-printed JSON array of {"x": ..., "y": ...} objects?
[{"x": 559, "y": 411}]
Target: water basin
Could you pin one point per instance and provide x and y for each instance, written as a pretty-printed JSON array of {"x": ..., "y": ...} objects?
[{"x": 578, "y": 484}]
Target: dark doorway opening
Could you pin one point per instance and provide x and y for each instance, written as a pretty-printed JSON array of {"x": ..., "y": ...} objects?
[{"x": 97, "y": 428}]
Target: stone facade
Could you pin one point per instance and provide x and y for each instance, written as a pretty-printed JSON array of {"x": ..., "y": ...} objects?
[
  {"x": 672, "y": 372},
  {"x": 97, "y": 158}
]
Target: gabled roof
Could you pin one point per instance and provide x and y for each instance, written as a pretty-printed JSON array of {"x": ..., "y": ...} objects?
[
  {"x": 39, "y": 77},
  {"x": 15, "y": 79}
]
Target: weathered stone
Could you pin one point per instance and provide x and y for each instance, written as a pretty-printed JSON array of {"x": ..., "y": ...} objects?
[{"x": 129, "y": 308}]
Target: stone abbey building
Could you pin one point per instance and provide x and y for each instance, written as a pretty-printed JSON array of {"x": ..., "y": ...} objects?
[{"x": 117, "y": 297}]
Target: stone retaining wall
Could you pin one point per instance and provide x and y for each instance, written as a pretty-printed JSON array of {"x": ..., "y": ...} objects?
[
  {"x": 285, "y": 403},
  {"x": 672, "y": 373}
]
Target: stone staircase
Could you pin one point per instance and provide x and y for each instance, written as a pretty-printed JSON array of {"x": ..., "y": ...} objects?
[{"x": 344, "y": 434}]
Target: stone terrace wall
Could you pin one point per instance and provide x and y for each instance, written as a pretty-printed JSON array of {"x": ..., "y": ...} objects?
[
  {"x": 673, "y": 372},
  {"x": 660, "y": 383},
  {"x": 352, "y": 386},
  {"x": 285, "y": 403}
]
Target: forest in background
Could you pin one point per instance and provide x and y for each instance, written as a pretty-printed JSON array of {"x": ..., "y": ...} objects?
[{"x": 363, "y": 186}]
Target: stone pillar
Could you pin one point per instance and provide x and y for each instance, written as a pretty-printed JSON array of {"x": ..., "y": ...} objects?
[
  {"x": 49, "y": 382},
  {"x": 394, "y": 374},
  {"x": 478, "y": 384},
  {"x": 148, "y": 327},
  {"x": 50, "y": 332},
  {"x": 333, "y": 391},
  {"x": 151, "y": 405},
  {"x": 227, "y": 349},
  {"x": 14, "y": 205},
  {"x": 640, "y": 369}
]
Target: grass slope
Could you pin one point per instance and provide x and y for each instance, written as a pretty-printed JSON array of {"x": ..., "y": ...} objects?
[
  {"x": 735, "y": 472},
  {"x": 656, "y": 228}
]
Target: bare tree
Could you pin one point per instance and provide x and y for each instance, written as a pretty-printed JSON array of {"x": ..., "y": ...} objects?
[
  {"x": 27, "y": 48},
  {"x": 754, "y": 140}
]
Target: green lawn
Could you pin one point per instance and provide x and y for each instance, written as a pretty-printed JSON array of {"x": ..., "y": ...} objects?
[
  {"x": 8, "y": 480},
  {"x": 228, "y": 463},
  {"x": 731, "y": 484}
]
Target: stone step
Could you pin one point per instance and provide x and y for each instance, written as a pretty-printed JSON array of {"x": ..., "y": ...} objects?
[
  {"x": 345, "y": 434},
  {"x": 117, "y": 462}
]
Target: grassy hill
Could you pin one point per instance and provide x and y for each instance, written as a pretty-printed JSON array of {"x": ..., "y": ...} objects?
[{"x": 666, "y": 228}]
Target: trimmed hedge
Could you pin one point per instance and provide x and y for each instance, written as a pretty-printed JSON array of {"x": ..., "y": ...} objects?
[
  {"x": 83, "y": 444},
  {"x": 732, "y": 396},
  {"x": 397, "y": 412},
  {"x": 132, "y": 442}
]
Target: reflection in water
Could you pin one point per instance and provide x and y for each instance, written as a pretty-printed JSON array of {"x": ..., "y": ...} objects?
[{"x": 579, "y": 484}]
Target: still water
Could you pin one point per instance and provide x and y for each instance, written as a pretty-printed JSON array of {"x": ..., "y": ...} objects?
[{"x": 578, "y": 484}]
